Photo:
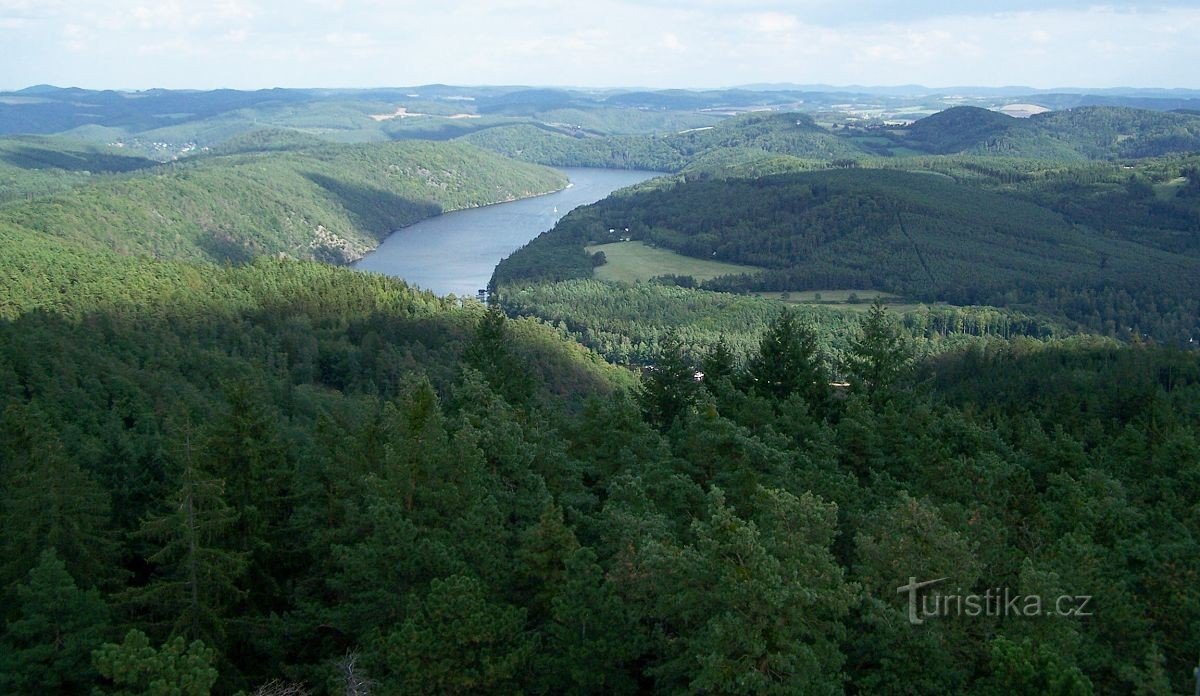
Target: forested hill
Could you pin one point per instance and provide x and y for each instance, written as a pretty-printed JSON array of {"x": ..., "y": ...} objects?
[
  {"x": 323, "y": 201},
  {"x": 1091, "y": 132},
  {"x": 918, "y": 234},
  {"x": 1085, "y": 133},
  {"x": 780, "y": 133}
]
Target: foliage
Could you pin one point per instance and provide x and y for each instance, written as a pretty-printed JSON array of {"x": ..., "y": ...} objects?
[
  {"x": 331, "y": 203},
  {"x": 175, "y": 669}
]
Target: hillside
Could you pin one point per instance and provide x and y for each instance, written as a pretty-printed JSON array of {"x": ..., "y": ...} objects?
[
  {"x": 918, "y": 234},
  {"x": 1089, "y": 132},
  {"x": 227, "y": 472},
  {"x": 327, "y": 202},
  {"x": 32, "y": 166},
  {"x": 791, "y": 134}
]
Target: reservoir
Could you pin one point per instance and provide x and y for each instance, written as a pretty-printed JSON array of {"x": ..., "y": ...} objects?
[{"x": 457, "y": 252}]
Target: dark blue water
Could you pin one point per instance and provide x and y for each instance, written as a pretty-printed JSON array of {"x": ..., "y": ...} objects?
[{"x": 457, "y": 252}]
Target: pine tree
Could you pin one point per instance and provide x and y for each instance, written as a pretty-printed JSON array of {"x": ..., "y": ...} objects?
[
  {"x": 177, "y": 668},
  {"x": 592, "y": 636},
  {"x": 750, "y": 608},
  {"x": 455, "y": 640},
  {"x": 47, "y": 647}
]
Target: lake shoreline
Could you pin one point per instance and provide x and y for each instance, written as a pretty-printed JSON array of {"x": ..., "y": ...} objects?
[{"x": 457, "y": 251}]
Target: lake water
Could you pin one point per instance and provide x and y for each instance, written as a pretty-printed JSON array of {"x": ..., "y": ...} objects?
[{"x": 457, "y": 252}]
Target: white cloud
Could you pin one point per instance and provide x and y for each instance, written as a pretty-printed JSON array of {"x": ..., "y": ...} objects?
[
  {"x": 598, "y": 42},
  {"x": 774, "y": 22}
]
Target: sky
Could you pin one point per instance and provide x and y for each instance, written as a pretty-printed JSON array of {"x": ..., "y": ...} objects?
[{"x": 246, "y": 44}]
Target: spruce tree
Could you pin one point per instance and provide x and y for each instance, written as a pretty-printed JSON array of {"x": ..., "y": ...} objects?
[
  {"x": 198, "y": 576},
  {"x": 669, "y": 386},
  {"x": 50, "y": 502},
  {"x": 878, "y": 357},
  {"x": 789, "y": 362}
]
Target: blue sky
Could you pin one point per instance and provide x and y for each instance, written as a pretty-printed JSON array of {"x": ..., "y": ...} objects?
[{"x": 134, "y": 44}]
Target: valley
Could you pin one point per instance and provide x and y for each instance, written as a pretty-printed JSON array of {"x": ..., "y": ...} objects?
[{"x": 786, "y": 350}]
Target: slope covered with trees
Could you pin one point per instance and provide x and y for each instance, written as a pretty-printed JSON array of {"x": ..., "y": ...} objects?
[
  {"x": 279, "y": 476},
  {"x": 328, "y": 202},
  {"x": 1088, "y": 132},
  {"x": 917, "y": 234},
  {"x": 309, "y": 476}
]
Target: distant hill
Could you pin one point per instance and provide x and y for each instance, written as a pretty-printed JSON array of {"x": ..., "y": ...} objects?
[
  {"x": 331, "y": 202},
  {"x": 790, "y": 134},
  {"x": 32, "y": 166},
  {"x": 1092, "y": 132},
  {"x": 958, "y": 129}
]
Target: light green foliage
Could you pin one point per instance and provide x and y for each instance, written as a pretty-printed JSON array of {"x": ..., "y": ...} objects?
[
  {"x": 136, "y": 668},
  {"x": 328, "y": 202}
]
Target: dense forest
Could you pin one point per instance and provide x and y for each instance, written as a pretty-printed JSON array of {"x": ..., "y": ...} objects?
[
  {"x": 269, "y": 196},
  {"x": 309, "y": 476},
  {"x": 227, "y": 467},
  {"x": 1092, "y": 247}
]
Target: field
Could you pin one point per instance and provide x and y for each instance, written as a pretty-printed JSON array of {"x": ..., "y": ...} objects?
[{"x": 632, "y": 262}]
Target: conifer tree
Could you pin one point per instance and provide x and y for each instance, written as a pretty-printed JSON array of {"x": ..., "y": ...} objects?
[
  {"x": 878, "y": 358},
  {"x": 46, "y": 647},
  {"x": 669, "y": 386},
  {"x": 198, "y": 576},
  {"x": 789, "y": 362},
  {"x": 50, "y": 502},
  {"x": 490, "y": 351},
  {"x": 136, "y": 668},
  {"x": 456, "y": 640}
]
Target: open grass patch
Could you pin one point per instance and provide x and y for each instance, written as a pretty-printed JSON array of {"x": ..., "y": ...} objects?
[{"x": 632, "y": 262}]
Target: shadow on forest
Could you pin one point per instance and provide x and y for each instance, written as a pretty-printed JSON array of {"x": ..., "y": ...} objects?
[
  {"x": 374, "y": 210},
  {"x": 33, "y": 157}
]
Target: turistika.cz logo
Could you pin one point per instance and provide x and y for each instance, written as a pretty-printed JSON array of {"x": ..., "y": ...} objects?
[{"x": 996, "y": 601}]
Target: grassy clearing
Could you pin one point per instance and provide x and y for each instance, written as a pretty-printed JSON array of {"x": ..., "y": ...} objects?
[
  {"x": 632, "y": 262},
  {"x": 1167, "y": 191}
]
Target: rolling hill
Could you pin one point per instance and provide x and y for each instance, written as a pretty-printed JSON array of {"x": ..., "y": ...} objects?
[
  {"x": 325, "y": 202},
  {"x": 917, "y": 234}
]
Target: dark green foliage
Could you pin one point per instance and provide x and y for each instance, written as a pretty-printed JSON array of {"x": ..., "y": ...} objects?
[
  {"x": 50, "y": 502},
  {"x": 1090, "y": 254},
  {"x": 197, "y": 556},
  {"x": 878, "y": 359},
  {"x": 490, "y": 353},
  {"x": 788, "y": 362},
  {"x": 668, "y": 385},
  {"x": 52, "y": 628},
  {"x": 456, "y": 641},
  {"x": 329, "y": 476}
]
